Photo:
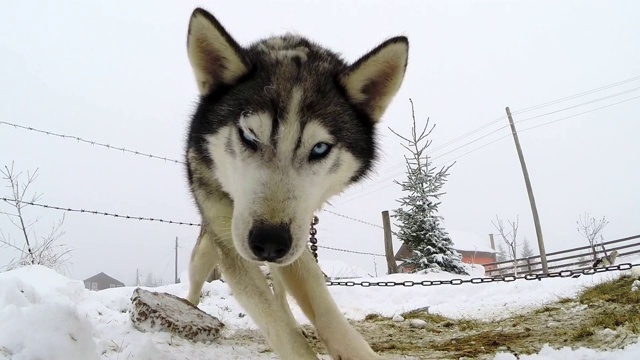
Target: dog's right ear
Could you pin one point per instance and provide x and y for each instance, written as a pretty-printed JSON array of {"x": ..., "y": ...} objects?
[{"x": 216, "y": 58}]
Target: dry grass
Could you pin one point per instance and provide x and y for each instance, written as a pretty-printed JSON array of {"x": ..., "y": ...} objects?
[
  {"x": 566, "y": 322},
  {"x": 616, "y": 291},
  {"x": 481, "y": 343}
]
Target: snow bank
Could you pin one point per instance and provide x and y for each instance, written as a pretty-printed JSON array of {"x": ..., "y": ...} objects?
[
  {"x": 38, "y": 319},
  {"x": 631, "y": 352},
  {"x": 44, "y": 315}
]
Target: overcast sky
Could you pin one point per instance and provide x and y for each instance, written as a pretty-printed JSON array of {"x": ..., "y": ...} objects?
[{"x": 117, "y": 72}]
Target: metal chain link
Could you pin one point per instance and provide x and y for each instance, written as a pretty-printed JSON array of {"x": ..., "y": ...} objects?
[
  {"x": 312, "y": 237},
  {"x": 506, "y": 278}
]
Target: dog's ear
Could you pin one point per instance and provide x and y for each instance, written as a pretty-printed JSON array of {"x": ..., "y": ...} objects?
[
  {"x": 373, "y": 80},
  {"x": 216, "y": 58}
]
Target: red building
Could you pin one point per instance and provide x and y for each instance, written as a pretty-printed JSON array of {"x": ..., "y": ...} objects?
[{"x": 473, "y": 248}]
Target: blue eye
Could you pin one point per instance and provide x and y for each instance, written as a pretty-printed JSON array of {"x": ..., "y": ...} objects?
[{"x": 319, "y": 151}]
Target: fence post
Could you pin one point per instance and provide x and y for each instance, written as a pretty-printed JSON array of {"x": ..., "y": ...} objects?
[
  {"x": 392, "y": 268},
  {"x": 529, "y": 264}
]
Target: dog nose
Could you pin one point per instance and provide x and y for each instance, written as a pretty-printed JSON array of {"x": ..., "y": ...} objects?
[{"x": 270, "y": 242}]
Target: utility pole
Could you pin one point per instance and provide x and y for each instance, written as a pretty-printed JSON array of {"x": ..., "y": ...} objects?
[
  {"x": 176, "y": 267},
  {"x": 388, "y": 245},
  {"x": 137, "y": 277},
  {"x": 532, "y": 200}
]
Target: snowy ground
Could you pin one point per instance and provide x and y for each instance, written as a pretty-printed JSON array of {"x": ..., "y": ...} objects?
[{"x": 44, "y": 315}]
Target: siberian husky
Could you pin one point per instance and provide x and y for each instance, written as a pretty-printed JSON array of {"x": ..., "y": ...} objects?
[{"x": 281, "y": 126}]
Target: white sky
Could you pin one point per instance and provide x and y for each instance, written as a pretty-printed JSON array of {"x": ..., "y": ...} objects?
[{"x": 117, "y": 72}]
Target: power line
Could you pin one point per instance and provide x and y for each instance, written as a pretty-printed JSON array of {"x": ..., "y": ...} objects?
[
  {"x": 582, "y": 113},
  {"x": 489, "y": 143},
  {"x": 571, "y": 97},
  {"x": 536, "y": 126},
  {"x": 531, "y": 108},
  {"x": 549, "y": 103},
  {"x": 95, "y": 212},
  {"x": 581, "y": 104},
  {"x": 91, "y": 142}
]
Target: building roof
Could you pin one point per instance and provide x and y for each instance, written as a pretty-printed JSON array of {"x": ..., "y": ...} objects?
[
  {"x": 103, "y": 278},
  {"x": 462, "y": 241},
  {"x": 468, "y": 241}
]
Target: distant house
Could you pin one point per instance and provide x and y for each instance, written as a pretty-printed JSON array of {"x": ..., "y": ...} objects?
[
  {"x": 473, "y": 248},
  {"x": 101, "y": 281}
]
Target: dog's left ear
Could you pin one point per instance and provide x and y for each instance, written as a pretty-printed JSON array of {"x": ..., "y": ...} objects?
[{"x": 373, "y": 80}]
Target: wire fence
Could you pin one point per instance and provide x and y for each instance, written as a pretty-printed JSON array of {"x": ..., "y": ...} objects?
[
  {"x": 92, "y": 142},
  {"x": 154, "y": 219},
  {"x": 104, "y": 213},
  {"x": 477, "y": 280},
  {"x": 122, "y": 149}
]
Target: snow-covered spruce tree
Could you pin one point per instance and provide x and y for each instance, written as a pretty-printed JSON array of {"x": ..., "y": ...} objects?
[{"x": 420, "y": 226}]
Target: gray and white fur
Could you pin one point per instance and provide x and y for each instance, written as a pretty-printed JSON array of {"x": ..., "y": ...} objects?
[{"x": 282, "y": 125}]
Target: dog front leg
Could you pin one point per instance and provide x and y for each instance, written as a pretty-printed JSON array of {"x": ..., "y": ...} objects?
[
  {"x": 252, "y": 292},
  {"x": 280, "y": 292},
  {"x": 306, "y": 283},
  {"x": 203, "y": 260}
]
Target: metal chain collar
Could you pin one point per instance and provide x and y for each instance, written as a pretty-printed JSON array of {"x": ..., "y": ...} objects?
[
  {"x": 507, "y": 278},
  {"x": 312, "y": 237}
]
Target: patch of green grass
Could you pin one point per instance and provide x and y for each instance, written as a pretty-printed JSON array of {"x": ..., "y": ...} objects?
[
  {"x": 619, "y": 307},
  {"x": 615, "y": 291}
]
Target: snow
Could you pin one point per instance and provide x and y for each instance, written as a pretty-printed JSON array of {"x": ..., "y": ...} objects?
[
  {"x": 44, "y": 315},
  {"x": 631, "y": 352},
  {"x": 468, "y": 241}
]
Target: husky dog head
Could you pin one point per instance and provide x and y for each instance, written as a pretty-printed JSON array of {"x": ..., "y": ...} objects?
[{"x": 282, "y": 125}]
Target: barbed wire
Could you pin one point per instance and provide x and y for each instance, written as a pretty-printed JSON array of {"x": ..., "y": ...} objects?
[
  {"x": 485, "y": 280},
  {"x": 147, "y": 155},
  {"x": 143, "y": 218},
  {"x": 95, "y": 212},
  {"x": 409, "y": 283},
  {"x": 353, "y": 219},
  {"x": 349, "y": 251},
  {"x": 91, "y": 142}
]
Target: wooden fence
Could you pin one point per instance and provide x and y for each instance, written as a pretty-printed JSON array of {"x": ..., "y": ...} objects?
[{"x": 576, "y": 259}]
